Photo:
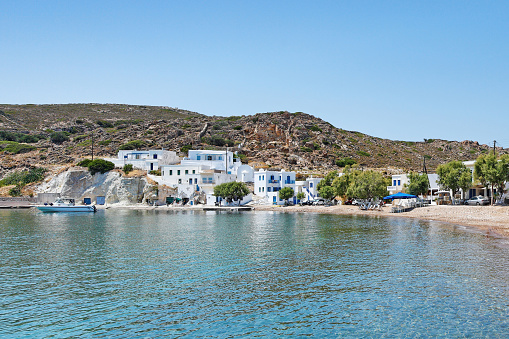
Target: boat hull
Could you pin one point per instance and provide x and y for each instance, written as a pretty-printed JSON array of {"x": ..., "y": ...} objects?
[{"x": 67, "y": 208}]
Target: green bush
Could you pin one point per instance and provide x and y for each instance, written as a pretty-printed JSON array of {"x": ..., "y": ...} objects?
[
  {"x": 20, "y": 137},
  {"x": 364, "y": 154},
  {"x": 185, "y": 148},
  {"x": 155, "y": 172},
  {"x": 14, "y": 147},
  {"x": 345, "y": 162},
  {"x": 127, "y": 168},
  {"x": 15, "y": 191},
  {"x": 34, "y": 174},
  {"x": 131, "y": 145},
  {"x": 217, "y": 141},
  {"x": 315, "y": 128},
  {"x": 59, "y": 137},
  {"x": 105, "y": 142},
  {"x": 104, "y": 123},
  {"x": 100, "y": 165},
  {"x": 306, "y": 149},
  {"x": 237, "y": 128},
  {"x": 84, "y": 163}
]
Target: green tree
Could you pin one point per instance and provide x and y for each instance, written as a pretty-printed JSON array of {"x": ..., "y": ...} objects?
[
  {"x": 368, "y": 185},
  {"x": 418, "y": 185},
  {"x": 492, "y": 171},
  {"x": 327, "y": 192},
  {"x": 100, "y": 165},
  {"x": 133, "y": 144},
  {"x": 327, "y": 180},
  {"x": 59, "y": 137},
  {"x": 286, "y": 193},
  {"x": 231, "y": 191},
  {"x": 127, "y": 168},
  {"x": 341, "y": 184},
  {"x": 454, "y": 176}
]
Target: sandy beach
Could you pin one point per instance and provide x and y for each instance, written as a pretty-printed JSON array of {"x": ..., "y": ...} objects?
[{"x": 493, "y": 220}]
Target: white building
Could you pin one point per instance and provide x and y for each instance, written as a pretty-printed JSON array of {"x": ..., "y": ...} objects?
[
  {"x": 398, "y": 183},
  {"x": 145, "y": 160},
  {"x": 201, "y": 171},
  {"x": 267, "y": 184}
]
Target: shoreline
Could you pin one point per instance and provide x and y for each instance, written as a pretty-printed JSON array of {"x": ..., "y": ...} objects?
[{"x": 490, "y": 220}]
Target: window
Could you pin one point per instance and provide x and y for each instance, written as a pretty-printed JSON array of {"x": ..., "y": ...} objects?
[
  {"x": 259, "y": 189},
  {"x": 209, "y": 157},
  {"x": 187, "y": 171},
  {"x": 194, "y": 171},
  {"x": 155, "y": 156},
  {"x": 195, "y": 181},
  {"x": 399, "y": 182},
  {"x": 311, "y": 185},
  {"x": 180, "y": 181},
  {"x": 171, "y": 172},
  {"x": 268, "y": 189},
  {"x": 394, "y": 182},
  {"x": 198, "y": 157},
  {"x": 220, "y": 158}
]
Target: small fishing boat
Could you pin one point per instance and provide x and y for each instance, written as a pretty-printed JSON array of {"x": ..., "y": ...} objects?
[{"x": 66, "y": 205}]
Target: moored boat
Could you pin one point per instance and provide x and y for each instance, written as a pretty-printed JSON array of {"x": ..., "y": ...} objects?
[{"x": 66, "y": 205}]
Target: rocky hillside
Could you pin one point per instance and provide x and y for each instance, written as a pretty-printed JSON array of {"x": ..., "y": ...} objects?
[{"x": 270, "y": 140}]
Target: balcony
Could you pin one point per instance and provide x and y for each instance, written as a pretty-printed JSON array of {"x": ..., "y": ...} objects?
[
  {"x": 289, "y": 182},
  {"x": 392, "y": 188},
  {"x": 273, "y": 181}
]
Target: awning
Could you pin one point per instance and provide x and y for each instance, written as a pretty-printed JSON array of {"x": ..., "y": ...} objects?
[{"x": 400, "y": 196}]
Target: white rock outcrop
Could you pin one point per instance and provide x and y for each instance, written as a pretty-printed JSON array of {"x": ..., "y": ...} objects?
[{"x": 77, "y": 183}]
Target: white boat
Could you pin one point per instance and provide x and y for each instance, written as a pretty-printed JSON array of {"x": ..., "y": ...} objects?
[{"x": 66, "y": 205}]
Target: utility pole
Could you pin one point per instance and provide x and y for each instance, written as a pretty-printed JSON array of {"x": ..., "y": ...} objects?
[
  {"x": 92, "y": 145},
  {"x": 494, "y": 150}
]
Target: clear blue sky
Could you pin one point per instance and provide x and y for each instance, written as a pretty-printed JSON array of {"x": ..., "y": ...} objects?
[{"x": 403, "y": 70}]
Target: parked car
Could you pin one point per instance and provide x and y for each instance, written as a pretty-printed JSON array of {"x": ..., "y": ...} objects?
[
  {"x": 348, "y": 202},
  {"x": 319, "y": 201},
  {"x": 478, "y": 200},
  {"x": 357, "y": 202}
]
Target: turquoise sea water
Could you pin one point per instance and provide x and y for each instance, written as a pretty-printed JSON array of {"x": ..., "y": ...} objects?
[{"x": 139, "y": 274}]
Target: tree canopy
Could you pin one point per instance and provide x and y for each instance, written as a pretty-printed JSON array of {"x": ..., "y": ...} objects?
[
  {"x": 100, "y": 165},
  {"x": 327, "y": 192},
  {"x": 327, "y": 180},
  {"x": 231, "y": 191},
  {"x": 418, "y": 185},
  {"x": 286, "y": 193},
  {"x": 368, "y": 185},
  {"x": 489, "y": 170},
  {"x": 454, "y": 176}
]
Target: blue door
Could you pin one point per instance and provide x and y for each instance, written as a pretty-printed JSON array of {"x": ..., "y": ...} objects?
[
  {"x": 274, "y": 200},
  {"x": 87, "y": 201},
  {"x": 101, "y": 200}
]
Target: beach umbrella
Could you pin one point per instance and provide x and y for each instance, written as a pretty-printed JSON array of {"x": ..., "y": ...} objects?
[{"x": 400, "y": 196}]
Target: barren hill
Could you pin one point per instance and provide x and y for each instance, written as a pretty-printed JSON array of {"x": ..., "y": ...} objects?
[{"x": 272, "y": 140}]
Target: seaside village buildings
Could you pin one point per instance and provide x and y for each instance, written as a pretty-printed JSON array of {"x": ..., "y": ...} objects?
[{"x": 194, "y": 177}]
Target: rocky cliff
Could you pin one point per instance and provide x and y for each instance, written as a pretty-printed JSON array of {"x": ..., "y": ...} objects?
[{"x": 77, "y": 183}]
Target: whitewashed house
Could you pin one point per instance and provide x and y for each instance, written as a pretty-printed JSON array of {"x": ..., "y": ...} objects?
[
  {"x": 398, "y": 183},
  {"x": 145, "y": 160},
  {"x": 308, "y": 187},
  {"x": 201, "y": 171},
  {"x": 267, "y": 184}
]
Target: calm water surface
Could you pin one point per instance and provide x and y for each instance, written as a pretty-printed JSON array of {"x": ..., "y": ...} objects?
[{"x": 129, "y": 274}]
